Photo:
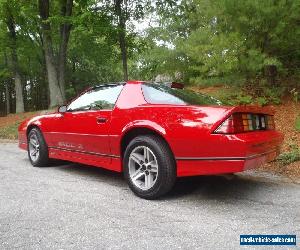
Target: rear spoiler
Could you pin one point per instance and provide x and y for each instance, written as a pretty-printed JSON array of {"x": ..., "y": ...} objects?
[
  {"x": 268, "y": 110},
  {"x": 175, "y": 85}
]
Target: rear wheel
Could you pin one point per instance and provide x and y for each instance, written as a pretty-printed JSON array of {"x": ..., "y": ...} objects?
[
  {"x": 149, "y": 167},
  {"x": 37, "y": 148}
]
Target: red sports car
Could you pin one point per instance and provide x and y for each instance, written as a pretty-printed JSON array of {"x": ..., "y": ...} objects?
[{"x": 153, "y": 133}]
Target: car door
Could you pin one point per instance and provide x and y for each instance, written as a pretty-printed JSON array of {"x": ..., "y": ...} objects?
[{"x": 87, "y": 123}]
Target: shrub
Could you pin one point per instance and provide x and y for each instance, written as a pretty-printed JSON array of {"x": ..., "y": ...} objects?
[
  {"x": 290, "y": 156},
  {"x": 295, "y": 95},
  {"x": 297, "y": 123}
]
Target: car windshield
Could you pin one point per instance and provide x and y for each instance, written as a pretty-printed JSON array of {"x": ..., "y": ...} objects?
[{"x": 158, "y": 93}]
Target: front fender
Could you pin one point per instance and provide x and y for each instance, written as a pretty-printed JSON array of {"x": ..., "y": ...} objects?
[{"x": 23, "y": 130}]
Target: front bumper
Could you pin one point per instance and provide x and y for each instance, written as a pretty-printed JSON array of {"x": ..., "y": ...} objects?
[{"x": 22, "y": 140}]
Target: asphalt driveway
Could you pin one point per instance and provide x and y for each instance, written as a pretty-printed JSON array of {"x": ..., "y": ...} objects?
[{"x": 71, "y": 206}]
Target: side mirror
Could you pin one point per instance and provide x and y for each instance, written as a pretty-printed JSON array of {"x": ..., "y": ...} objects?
[{"x": 62, "y": 109}]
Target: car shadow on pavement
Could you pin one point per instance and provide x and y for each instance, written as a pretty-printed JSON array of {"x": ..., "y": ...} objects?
[
  {"x": 221, "y": 188},
  {"x": 227, "y": 187},
  {"x": 91, "y": 172}
]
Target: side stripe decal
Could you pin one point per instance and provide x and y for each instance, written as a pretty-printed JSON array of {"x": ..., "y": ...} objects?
[{"x": 84, "y": 152}]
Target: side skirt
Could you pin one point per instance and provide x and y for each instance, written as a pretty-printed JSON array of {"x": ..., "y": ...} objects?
[{"x": 106, "y": 162}]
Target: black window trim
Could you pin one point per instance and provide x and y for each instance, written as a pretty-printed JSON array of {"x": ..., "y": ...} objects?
[
  {"x": 110, "y": 84},
  {"x": 150, "y": 84}
]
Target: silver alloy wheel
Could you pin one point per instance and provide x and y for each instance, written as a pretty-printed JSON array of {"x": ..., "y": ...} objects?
[
  {"x": 143, "y": 167},
  {"x": 34, "y": 147}
]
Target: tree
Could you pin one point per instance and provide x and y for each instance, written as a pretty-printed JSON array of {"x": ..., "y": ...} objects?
[
  {"x": 56, "y": 75},
  {"x": 65, "y": 29},
  {"x": 247, "y": 38},
  {"x": 159, "y": 54},
  {"x": 120, "y": 13},
  {"x": 7, "y": 14},
  {"x": 5, "y": 82},
  {"x": 56, "y": 96},
  {"x": 15, "y": 64},
  {"x": 220, "y": 39},
  {"x": 123, "y": 12},
  {"x": 7, "y": 94}
]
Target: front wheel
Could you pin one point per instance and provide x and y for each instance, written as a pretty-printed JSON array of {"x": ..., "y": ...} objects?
[
  {"x": 37, "y": 148},
  {"x": 149, "y": 167}
]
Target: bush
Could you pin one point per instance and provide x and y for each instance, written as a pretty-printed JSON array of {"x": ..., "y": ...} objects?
[
  {"x": 230, "y": 80},
  {"x": 241, "y": 93},
  {"x": 297, "y": 123},
  {"x": 295, "y": 95},
  {"x": 291, "y": 156},
  {"x": 238, "y": 96},
  {"x": 272, "y": 95}
]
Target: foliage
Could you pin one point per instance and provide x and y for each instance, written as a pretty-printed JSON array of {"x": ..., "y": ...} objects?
[
  {"x": 295, "y": 95},
  {"x": 251, "y": 42},
  {"x": 243, "y": 36},
  {"x": 252, "y": 46},
  {"x": 297, "y": 123},
  {"x": 290, "y": 156},
  {"x": 230, "y": 80},
  {"x": 244, "y": 95}
]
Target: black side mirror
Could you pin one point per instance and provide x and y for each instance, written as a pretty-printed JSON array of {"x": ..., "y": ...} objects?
[{"x": 62, "y": 109}]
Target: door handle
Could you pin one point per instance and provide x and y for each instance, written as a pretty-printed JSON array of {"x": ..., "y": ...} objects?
[{"x": 101, "y": 120}]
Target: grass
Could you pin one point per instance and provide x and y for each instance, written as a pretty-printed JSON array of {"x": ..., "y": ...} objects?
[
  {"x": 9, "y": 124},
  {"x": 10, "y": 131},
  {"x": 297, "y": 123}
]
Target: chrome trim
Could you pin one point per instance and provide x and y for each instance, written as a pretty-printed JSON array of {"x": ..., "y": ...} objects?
[
  {"x": 84, "y": 152},
  {"x": 224, "y": 158}
]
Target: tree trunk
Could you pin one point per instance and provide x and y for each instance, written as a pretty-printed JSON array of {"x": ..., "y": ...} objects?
[
  {"x": 56, "y": 97},
  {"x": 122, "y": 36},
  {"x": 44, "y": 90},
  {"x": 15, "y": 65},
  {"x": 65, "y": 28},
  {"x": 19, "y": 93},
  {"x": 7, "y": 95},
  {"x": 270, "y": 72}
]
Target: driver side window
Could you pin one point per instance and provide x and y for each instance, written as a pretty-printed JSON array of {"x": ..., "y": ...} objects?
[{"x": 98, "y": 98}]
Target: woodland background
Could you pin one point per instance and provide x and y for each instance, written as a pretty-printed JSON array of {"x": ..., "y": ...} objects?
[{"x": 52, "y": 50}]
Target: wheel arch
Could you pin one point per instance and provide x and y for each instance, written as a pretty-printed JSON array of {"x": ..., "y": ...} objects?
[
  {"x": 30, "y": 127},
  {"x": 133, "y": 132}
]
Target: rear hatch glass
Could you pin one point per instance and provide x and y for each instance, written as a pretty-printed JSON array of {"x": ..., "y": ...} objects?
[{"x": 156, "y": 93}]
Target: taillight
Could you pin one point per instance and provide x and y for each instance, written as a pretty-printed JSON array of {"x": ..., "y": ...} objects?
[{"x": 246, "y": 122}]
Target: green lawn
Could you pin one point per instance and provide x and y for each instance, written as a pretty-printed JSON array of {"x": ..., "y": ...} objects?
[{"x": 10, "y": 131}]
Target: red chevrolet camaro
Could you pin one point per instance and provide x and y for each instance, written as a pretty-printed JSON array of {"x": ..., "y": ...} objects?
[{"x": 153, "y": 133}]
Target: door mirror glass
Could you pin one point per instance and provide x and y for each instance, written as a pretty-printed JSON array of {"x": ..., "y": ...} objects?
[{"x": 62, "y": 109}]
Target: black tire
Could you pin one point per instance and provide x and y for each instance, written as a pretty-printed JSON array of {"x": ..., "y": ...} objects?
[
  {"x": 42, "y": 159},
  {"x": 166, "y": 170}
]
